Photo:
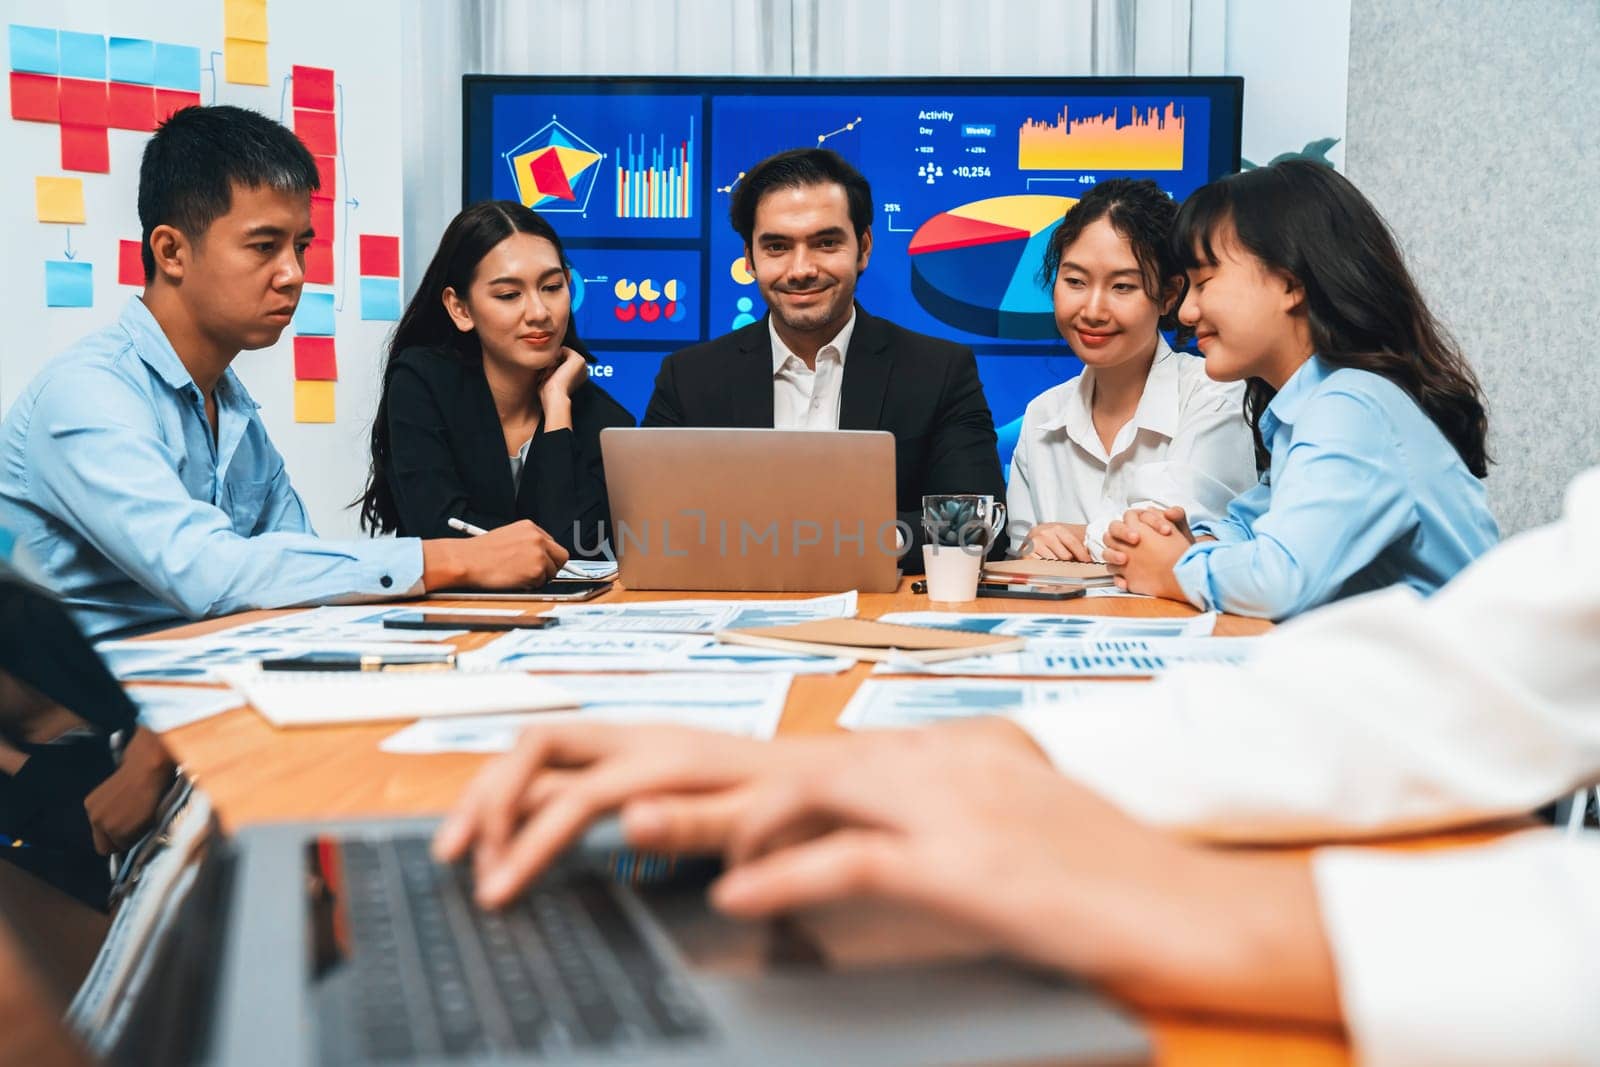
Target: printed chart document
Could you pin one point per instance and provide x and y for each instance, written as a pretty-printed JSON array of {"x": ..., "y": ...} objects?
[
  {"x": 326, "y": 698},
  {"x": 591, "y": 570},
  {"x": 591, "y": 651},
  {"x": 202, "y": 659},
  {"x": 1057, "y": 627},
  {"x": 897, "y": 703},
  {"x": 167, "y": 707},
  {"x": 1136, "y": 657},
  {"x": 702, "y": 616},
  {"x": 361, "y": 622},
  {"x": 749, "y": 705}
]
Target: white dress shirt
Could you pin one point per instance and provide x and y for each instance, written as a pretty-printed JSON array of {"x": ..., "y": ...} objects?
[
  {"x": 1187, "y": 444},
  {"x": 806, "y": 399},
  {"x": 1468, "y": 957},
  {"x": 1390, "y": 712}
]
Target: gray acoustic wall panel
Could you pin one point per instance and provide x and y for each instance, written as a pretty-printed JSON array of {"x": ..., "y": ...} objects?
[{"x": 1475, "y": 127}]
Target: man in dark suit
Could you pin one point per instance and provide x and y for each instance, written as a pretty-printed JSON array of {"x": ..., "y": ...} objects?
[{"x": 818, "y": 360}]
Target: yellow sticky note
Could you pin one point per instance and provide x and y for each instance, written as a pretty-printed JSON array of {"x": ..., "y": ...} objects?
[
  {"x": 245, "y": 20},
  {"x": 58, "y": 199},
  {"x": 245, "y": 61},
  {"x": 313, "y": 401}
]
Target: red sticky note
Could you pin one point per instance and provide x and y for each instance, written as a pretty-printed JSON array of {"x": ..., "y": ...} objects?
[
  {"x": 131, "y": 107},
  {"x": 35, "y": 97},
  {"x": 313, "y": 88},
  {"x": 327, "y": 184},
  {"x": 170, "y": 100},
  {"x": 380, "y": 256},
  {"x": 322, "y": 218},
  {"x": 83, "y": 103},
  {"x": 316, "y": 129},
  {"x": 85, "y": 148},
  {"x": 319, "y": 262},
  {"x": 130, "y": 264},
  {"x": 314, "y": 360}
]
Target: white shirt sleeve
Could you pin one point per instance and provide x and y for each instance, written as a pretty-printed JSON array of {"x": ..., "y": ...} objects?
[
  {"x": 1478, "y": 956},
  {"x": 1021, "y": 515},
  {"x": 1377, "y": 714}
]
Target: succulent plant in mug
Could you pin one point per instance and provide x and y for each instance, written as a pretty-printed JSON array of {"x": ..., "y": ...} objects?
[{"x": 955, "y": 522}]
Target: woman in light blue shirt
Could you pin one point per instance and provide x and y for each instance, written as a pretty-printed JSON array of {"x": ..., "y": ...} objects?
[{"x": 1369, "y": 423}]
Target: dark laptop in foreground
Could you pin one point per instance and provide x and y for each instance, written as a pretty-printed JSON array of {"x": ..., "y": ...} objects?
[
  {"x": 346, "y": 944},
  {"x": 753, "y": 510}
]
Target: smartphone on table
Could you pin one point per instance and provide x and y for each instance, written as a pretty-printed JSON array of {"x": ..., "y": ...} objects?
[
  {"x": 444, "y": 620},
  {"x": 1028, "y": 591}
]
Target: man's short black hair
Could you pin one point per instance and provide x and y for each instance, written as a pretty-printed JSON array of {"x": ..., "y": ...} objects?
[
  {"x": 796, "y": 169},
  {"x": 194, "y": 158}
]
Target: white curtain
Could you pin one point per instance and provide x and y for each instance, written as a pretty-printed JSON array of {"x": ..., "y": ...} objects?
[{"x": 770, "y": 38}]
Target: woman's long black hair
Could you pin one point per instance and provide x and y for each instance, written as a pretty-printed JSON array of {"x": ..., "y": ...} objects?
[
  {"x": 1307, "y": 221},
  {"x": 426, "y": 324}
]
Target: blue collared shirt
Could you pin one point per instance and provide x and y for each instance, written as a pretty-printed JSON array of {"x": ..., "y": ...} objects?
[
  {"x": 134, "y": 514},
  {"x": 1363, "y": 492}
]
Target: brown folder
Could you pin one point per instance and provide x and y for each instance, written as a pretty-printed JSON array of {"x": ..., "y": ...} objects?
[{"x": 867, "y": 639}]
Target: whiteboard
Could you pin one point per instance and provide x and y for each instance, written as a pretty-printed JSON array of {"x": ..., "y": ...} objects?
[{"x": 360, "y": 41}]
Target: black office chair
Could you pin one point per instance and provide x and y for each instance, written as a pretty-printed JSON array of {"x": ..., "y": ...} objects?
[{"x": 41, "y": 806}]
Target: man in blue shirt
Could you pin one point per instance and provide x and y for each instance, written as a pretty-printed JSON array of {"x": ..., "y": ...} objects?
[{"x": 144, "y": 484}]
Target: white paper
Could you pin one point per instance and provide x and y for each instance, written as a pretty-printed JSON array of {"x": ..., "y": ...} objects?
[
  {"x": 591, "y": 570},
  {"x": 748, "y": 705},
  {"x": 702, "y": 616},
  {"x": 315, "y": 698},
  {"x": 897, "y": 703},
  {"x": 1057, "y": 627},
  {"x": 167, "y": 707},
  {"x": 360, "y": 622},
  {"x": 199, "y": 659},
  {"x": 1109, "y": 658},
  {"x": 591, "y": 651}
]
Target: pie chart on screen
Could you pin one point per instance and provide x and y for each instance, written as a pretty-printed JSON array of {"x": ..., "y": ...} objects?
[{"x": 976, "y": 267}]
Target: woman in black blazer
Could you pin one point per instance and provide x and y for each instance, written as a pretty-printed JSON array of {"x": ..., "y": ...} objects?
[{"x": 488, "y": 414}]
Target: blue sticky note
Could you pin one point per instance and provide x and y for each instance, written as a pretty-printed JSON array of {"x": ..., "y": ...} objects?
[
  {"x": 83, "y": 55},
  {"x": 68, "y": 284},
  {"x": 133, "y": 60},
  {"x": 177, "y": 67},
  {"x": 380, "y": 299},
  {"x": 34, "y": 50},
  {"x": 314, "y": 316}
]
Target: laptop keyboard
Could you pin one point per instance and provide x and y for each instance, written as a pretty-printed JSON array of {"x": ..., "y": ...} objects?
[{"x": 565, "y": 969}]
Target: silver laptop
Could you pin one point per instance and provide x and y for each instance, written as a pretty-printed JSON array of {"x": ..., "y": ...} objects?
[
  {"x": 346, "y": 944},
  {"x": 753, "y": 510}
]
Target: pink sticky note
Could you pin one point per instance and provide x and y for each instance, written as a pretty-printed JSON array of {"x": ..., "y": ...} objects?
[
  {"x": 131, "y": 107},
  {"x": 380, "y": 256},
  {"x": 319, "y": 262},
  {"x": 85, "y": 148},
  {"x": 130, "y": 264},
  {"x": 313, "y": 88},
  {"x": 35, "y": 97},
  {"x": 314, "y": 360},
  {"x": 83, "y": 103},
  {"x": 316, "y": 129}
]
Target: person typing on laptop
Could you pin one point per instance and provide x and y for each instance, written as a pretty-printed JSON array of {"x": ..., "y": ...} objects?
[
  {"x": 144, "y": 480},
  {"x": 817, "y": 360}
]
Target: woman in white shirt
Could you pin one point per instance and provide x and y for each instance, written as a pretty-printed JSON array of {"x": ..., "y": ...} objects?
[{"x": 1142, "y": 422}]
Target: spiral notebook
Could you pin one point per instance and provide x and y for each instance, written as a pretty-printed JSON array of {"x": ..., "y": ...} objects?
[{"x": 289, "y": 699}]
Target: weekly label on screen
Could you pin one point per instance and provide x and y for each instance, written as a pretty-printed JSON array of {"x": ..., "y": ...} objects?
[{"x": 970, "y": 180}]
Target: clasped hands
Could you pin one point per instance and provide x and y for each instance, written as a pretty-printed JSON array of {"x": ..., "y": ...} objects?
[{"x": 1144, "y": 546}]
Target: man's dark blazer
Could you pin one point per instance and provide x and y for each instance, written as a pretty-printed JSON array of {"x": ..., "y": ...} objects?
[
  {"x": 447, "y": 456},
  {"x": 923, "y": 390}
]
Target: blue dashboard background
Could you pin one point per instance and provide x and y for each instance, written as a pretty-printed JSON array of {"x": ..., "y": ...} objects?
[{"x": 928, "y": 146}]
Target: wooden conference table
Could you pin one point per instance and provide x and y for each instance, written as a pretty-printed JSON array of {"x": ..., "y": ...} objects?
[{"x": 254, "y": 773}]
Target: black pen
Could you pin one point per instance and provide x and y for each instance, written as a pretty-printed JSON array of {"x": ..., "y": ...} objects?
[{"x": 350, "y": 661}]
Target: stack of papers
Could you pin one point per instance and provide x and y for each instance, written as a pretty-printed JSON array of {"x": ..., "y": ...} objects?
[
  {"x": 894, "y": 704},
  {"x": 591, "y": 651},
  {"x": 1057, "y": 627},
  {"x": 202, "y": 659},
  {"x": 1105, "y": 658},
  {"x": 324, "y": 698},
  {"x": 748, "y": 705},
  {"x": 702, "y": 616},
  {"x": 875, "y": 640},
  {"x": 1048, "y": 572}
]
